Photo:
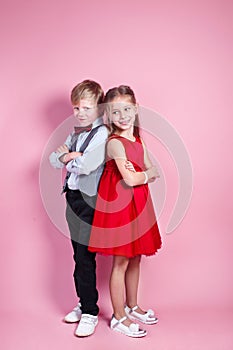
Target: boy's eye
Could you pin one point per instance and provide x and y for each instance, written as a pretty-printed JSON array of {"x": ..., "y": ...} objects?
[{"x": 85, "y": 109}]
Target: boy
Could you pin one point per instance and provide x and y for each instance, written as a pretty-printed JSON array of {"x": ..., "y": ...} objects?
[{"x": 84, "y": 170}]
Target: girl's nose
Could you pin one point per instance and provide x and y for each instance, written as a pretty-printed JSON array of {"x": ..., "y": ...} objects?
[{"x": 123, "y": 114}]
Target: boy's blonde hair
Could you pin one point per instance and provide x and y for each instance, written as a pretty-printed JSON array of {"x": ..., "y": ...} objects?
[{"x": 87, "y": 89}]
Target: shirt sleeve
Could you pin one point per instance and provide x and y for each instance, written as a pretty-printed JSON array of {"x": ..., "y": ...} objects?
[
  {"x": 54, "y": 156},
  {"x": 93, "y": 156}
]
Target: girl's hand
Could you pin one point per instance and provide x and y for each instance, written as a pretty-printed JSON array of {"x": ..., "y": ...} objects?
[
  {"x": 151, "y": 180},
  {"x": 156, "y": 172},
  {"x": 129, "y": 166},
  {"x": 152, "y": 173}
]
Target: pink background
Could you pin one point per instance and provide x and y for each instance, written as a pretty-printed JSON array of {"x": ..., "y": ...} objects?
[{"x": 177, "y": 56}]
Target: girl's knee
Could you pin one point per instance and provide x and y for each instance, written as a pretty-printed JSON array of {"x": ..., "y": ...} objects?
[
  {"x": 136, "y": 260},
  {"x": 120, "y": 262}
]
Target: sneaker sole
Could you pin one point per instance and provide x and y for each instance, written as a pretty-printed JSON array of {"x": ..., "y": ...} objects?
[
  {"x": 83, "y": 335},
  {"x": 68, "y": 321}
]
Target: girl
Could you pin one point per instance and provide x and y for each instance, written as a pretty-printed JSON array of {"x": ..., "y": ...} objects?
[{"x": 124, "y": 222}]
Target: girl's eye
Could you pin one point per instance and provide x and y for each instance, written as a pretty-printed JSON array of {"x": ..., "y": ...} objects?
[
  {"x": 115, "y": 112},
  {"x": 127, "y": 109}
]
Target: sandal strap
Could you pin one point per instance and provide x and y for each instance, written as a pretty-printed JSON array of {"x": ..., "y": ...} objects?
[
  {"x": 119, "y": 321},
  {"x": 134, "y": 308},
  {"x": 148, "y": 312}
]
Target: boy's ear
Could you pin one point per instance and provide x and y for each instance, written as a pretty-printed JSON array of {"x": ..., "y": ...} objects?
[{"x": 101, "y": 109}]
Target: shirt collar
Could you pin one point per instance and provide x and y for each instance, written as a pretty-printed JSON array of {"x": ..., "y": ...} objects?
[{"x": 97, "y": 122}]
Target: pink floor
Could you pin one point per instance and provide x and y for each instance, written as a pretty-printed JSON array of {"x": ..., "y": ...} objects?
[{"x": 177, "y": 329}]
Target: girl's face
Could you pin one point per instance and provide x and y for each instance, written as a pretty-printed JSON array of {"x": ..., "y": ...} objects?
[{"x": 122, "y": 112}]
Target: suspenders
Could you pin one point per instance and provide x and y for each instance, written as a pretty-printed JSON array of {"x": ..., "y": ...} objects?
[{"x": 82, "y": 149}]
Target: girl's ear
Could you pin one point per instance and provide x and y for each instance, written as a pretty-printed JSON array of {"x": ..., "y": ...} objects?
[{"x": 136, "y": 106}]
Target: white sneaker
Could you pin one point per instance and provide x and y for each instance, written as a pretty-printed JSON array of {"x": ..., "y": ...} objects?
[
  {"x": 86, "y": 325},
  {"x": 74, "y": 315}
]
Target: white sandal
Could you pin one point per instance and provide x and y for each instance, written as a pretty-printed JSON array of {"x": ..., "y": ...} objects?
[
  {"x": 147, "y": 318},
  {"x": 132, "y": 331}
]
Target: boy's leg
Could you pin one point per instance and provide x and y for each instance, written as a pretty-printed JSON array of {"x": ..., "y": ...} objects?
[
  {"x": 79, "y": 214},
  {"x": 75, "y": 249},
  {"x": 85, "y": 277}
]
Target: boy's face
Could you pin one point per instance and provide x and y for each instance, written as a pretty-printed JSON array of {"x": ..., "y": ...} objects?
[{"x": 86, "y": 111}]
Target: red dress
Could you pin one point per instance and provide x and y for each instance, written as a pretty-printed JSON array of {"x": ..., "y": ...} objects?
[{"x": 124, "y": 221}]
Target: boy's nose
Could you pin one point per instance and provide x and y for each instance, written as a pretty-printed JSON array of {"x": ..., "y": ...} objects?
[{"x": 81, "y": 111}]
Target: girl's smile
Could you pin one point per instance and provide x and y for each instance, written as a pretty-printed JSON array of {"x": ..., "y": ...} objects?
[{"x": 123, "y": 113}]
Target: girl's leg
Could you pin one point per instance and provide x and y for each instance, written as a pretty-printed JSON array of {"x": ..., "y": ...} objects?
[
  {"x": 131, "y": 283},
  {"x": 117, "y": 287}
]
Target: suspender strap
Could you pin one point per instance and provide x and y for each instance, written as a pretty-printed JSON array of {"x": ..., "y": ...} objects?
[
  {"x": 88, "y": 139},
  {"x": 81, "y": 149}
]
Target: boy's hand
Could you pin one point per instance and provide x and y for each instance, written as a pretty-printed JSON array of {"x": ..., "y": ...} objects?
[
  {"x": 73, "y": 155},
  {"x": 129, "y": 166},
  {"x": 66, "y": 158},
  {"x": 62, "y": 149}
]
